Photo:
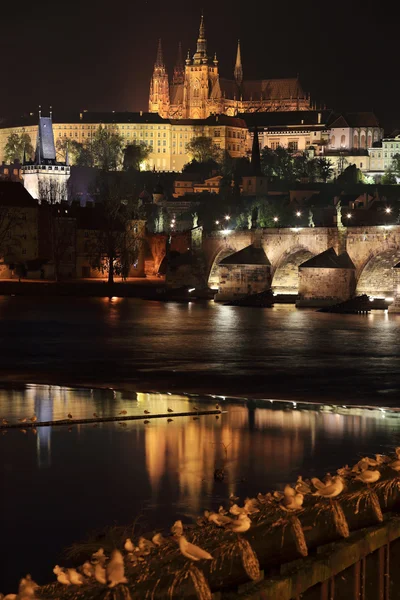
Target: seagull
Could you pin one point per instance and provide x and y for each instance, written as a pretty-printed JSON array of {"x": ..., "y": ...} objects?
[
  {"x": 177, "y": 528},
  {"x": 26, "y": 588},
  {"x": 145, "y": 545},
  {"x": 100, "y": 573},
  {"x": 123, "y": 412},
  {"x": 146, "y": 412},
  {"x": 74, "y": 577},
  {"x": 146, "y": 422},
  {"x": 88, "y": 569},
  {"x": 61, "y": 575},
  {"x": 191, "y": 551},
  {"x": 99, "y": 557},
  {"x": 22, "y": 420},
  {"x": 69, "y": 416},
  {"x": 368, "y": 476},
  {"x": 115, "y": 569},
  {"x": 219, "y": 519},
  {"x": 129, "y": 547},
  {"x": 395, "y": 465},
  {"x": 302, "y": 487},
  {"x": 292, "y": 501},
  {"x": 241, "y": 524},
  {"x": 169, "y": 420},
  {"x": 34, "y": 430},
  {"x": 34, "y": 419},
  {"x": 170, "y": 410},
  {"x": 158, "y": 539},
  {"x": 328, "y": 490}
]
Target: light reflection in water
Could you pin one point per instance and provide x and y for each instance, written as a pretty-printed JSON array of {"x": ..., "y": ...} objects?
[{"x": 66, "y": 483}]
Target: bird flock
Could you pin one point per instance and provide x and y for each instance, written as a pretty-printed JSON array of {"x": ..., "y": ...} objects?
[{"x": 110, "y": 571}]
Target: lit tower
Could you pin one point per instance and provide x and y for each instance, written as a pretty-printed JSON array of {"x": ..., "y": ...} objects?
[
  {"x": 159, "y": 86},
  {"x": 238, "y": 67},
  {"x": 200, "y": 55},
  {"x": 179, "y": 71},
  {"x": 45, "y": 178}
]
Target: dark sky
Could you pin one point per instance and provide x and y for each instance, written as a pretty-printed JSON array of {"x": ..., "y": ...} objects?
[{"x": 99, "y": 55}]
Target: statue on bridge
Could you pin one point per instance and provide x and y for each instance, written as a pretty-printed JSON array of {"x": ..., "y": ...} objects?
[
  {"x": 339, "y": 222},
  {"x": 311, "y": 218}
]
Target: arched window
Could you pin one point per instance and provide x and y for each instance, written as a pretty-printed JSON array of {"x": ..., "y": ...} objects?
[
  {"x": 343, "y": 141},
  {"x": 362, "y": 140},
  {"x": 355, "y": 140},
  {"x": 369, "y": 140},
  {"x": 333, "y": 140}
]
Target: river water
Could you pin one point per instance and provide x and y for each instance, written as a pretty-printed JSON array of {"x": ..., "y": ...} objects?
[{"x": 60, "y": 483}]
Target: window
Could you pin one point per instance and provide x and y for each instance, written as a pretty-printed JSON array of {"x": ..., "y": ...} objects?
[
  {"x": 361, "y": 165},
  {"x": 293, "y": 145},
  {"x": 343, "y": 141},
  {"x": 333, "y": 140}
]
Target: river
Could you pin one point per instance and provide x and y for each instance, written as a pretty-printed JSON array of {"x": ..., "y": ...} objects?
[{"x": 60, "y": 483}]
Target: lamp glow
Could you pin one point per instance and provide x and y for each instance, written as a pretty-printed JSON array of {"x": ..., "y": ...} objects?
[
  {"x": 388, "y": 210},
  {"x": 298, "y": 214},
  {"x": 227, "y": 218},
  {"x": 276, "y": 219},
  {"x": 348, "y": 215}
]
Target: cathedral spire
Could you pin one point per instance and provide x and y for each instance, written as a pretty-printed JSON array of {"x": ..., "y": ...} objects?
[
  {"x": 179, "y": 71},
  {"x": 201, "y": 52},
  {"x": 159, "y": 60},
  {"x": 238, "y": 66}
]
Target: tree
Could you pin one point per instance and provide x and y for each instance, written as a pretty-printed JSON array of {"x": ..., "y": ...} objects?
[
  {"x": 396, "y": 164},
  {"x": 106, "y": 147},
  {"x": 16, "y": 145},
  {"x": 324, "y": 168},
  {"x": 278, "y": 163},
  {"x": 350, "y": 175},
  {"x": 116, "y": 242},
  {"x": 389, "y": 178},
  {"x": 204, "y": 169},
  {"x": 135, "y": 155},
  {"x": 59, "y": 229},
  {"x": 203, "y": 149}
]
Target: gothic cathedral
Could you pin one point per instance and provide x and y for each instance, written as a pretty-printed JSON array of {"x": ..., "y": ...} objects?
[{"x": 197, "y": 91}]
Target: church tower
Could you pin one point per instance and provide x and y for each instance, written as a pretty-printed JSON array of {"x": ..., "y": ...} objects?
[
  {"x": 159, "y": 86},
  {"x": 179, "y": 71},
  {"x": 238, "y": 67},
  {"x": 200, "y": 78}
]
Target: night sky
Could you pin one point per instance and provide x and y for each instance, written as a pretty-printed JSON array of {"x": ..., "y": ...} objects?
[{"x": 99, "y": 55}]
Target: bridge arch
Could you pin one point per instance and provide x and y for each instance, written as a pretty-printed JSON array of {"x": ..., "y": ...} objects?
[
  {"x": 213, "y": 277},
  {"x": 285, "y": 279},
  {"x": 376, "y": 275}
]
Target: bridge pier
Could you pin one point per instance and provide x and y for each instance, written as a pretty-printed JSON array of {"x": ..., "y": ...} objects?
[{"x": 395, "y": 306}]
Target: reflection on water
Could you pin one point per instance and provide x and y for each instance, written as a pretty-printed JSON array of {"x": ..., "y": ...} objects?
[{"x": 61, "y": 482}]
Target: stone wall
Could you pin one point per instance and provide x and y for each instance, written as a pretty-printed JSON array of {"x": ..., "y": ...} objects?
[
  {"x": 324, "y": 287},
  {"x": 235, "y": 281}
]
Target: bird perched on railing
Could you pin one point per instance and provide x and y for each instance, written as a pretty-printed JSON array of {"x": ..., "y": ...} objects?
[
  {"x": 331, "y": 489},
  {"x": 115, "y": 569},
  {"x": 290, "y": 499},
  {"x": 367, "y": 476}
]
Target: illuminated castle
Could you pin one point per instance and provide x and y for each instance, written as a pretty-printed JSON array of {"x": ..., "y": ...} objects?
[{"x": 197, "y": 91}]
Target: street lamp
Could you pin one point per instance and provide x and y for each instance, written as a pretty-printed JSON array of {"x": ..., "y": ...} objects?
[
  {"x": 298, "y": 214},
  {"x": 276, "y": 219},
  {"x": 227, "y": 218},
  {"x": 388, "y": 210},
  {"x": 348, "y": 215},
  {"x": 217, "y": 222}
]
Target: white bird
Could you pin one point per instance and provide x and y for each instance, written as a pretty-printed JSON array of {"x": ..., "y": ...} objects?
[
  {"x": 217, "y": 518},
  {"x": 302, "y": 487},
  {"x": 11, "y": 597},
  {"x": 145, "y": 546},
  {"x": 27, "y": 587},
  {"x": 129, "y": 547},
  {"x": 100, "y": 573},
  {"x": 61, "y": 575},
  {"x": 177, "y": 528},
  {"x": 241, "y": 524},
  {"x": 115, "y": 569},
  {"x": 395, "y": 465},
  {"x": 292, "y": 502},
  {"x": 249, "y": 507},
  {"x": 99, "y": 557},
  {"x": 330, "y": 490},
  {"x": 233, "y": 498},
  {"x": 87, "y": 569},
  {"x": 158, "y": 539},
  {"x": 397, "y": 450},
  {"x": 368, "y": 476},
  {"x": 74, "y": 577},
  {"x": 191, "y": 551}
]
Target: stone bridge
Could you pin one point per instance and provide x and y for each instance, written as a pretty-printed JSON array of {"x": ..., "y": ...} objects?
[{"x": 373, "y": 250}]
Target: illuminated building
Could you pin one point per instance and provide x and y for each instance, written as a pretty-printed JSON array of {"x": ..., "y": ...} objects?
[
  {"x": 197, "y": 91},
  {"x": 45, "y": 178}
]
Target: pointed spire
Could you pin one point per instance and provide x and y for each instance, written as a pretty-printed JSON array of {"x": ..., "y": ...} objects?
[
  {"x": 215, "y": 59},
  {"x": 238, "y": 66},
  {"x": 201, "y": 52},
  {"x": 159, "y": 60},
  {"x": 67, "y": 156},
  {"x": 188, "y": 57},
  {"x": 179, "y": 71},
  {"x": 255, "y": 154}
]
